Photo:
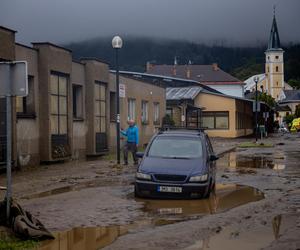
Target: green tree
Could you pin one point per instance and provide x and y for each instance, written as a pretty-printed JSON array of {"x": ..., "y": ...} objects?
[
  {"x": 295, "y": 83},
  {"x": 288, "y": 119},
  {"x": 264, "y": 97}
]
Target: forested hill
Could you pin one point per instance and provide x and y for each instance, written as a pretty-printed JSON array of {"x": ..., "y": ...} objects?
[{"x": 239, "y": 61}]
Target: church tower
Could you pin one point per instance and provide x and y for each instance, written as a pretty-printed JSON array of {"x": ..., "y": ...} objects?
[{"x": 274, "y": 63}]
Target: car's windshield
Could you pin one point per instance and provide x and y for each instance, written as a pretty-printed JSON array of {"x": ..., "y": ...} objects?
[{"x": 175, "y": 147}]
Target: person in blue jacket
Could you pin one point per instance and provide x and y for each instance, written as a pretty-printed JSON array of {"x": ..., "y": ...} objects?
[{"x": 132, "y": 134}]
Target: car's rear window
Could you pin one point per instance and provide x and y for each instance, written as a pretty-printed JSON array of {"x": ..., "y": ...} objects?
[{"x": 176, "y": 147}]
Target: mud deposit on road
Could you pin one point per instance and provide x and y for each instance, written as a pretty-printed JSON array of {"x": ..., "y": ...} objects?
[
  {"x": 156, "y": 213},
  {"x": 230, "y": 238}
]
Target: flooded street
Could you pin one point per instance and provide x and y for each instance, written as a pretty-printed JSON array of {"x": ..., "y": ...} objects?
[{"x": 256, "y": 202}]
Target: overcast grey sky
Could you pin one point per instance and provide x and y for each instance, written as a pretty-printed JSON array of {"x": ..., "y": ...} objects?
[{"x": 235, "y": 21}]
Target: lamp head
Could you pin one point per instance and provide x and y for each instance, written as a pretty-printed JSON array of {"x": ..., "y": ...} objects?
[{"x": 117, "y": 42}]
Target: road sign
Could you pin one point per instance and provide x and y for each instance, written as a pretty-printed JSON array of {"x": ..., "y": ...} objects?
[
  {"x": 122, "y": 90},
  {"x": 13, "y": 79}
]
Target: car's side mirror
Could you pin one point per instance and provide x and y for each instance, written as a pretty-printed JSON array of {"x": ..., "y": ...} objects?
[
  {"x": 213, "y": 158},
  {"x": 140, "y": 154}
]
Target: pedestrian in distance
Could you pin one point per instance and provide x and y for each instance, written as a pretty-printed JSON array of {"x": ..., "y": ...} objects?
[{"x": 132, "y": 134}]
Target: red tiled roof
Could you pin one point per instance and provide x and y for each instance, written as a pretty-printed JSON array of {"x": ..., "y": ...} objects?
[{"x": 201, "y": 73}]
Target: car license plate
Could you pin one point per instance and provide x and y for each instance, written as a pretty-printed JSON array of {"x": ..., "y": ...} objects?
[{"x": 166, "y": 189}]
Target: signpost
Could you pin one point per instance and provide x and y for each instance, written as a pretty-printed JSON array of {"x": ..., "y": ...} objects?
[
  {"x": 13, "y": 82},
  {"x": 122, "y": 90}
]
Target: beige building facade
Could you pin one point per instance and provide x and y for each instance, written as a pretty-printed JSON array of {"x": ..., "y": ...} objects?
[
  {"x": 220, "y": 115},
  {"x": 69, "y": 111},
  {"x": 142, "y": 101}
]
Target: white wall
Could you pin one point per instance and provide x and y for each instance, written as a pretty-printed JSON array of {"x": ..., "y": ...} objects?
[{"x": 233, "y": 90}]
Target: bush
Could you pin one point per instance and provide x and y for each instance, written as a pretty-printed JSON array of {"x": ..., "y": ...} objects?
[
  {"x": 288, "y": 119},
  {"x": 168, "y": 121}
]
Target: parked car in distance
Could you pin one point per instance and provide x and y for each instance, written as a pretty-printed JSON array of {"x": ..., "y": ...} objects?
[{"x": 177, "y": 163}]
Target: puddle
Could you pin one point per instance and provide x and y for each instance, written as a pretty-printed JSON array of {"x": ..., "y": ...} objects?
[
  {"x": 90, "y": 238},
  {"x": 235, "y": 162},
  {"x": 157, "y": 213},
  {"x": 230, "y": 238},
  {"x": 227, "y": 196}
]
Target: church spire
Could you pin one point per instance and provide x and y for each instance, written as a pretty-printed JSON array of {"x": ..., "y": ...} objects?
[{"x": 274, "y": 41}]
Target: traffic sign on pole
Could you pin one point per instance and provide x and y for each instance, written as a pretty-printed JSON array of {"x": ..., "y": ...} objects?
[
  {"x": 13, "y": 79},
  {"x": 13, "y": 82}
]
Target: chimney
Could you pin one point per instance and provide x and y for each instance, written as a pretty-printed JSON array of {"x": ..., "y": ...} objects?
[
  {"x": 215, "y": 67},
  {"x": 188, "y": 73},
  {"x": 188, "y": 70},
  {"x": 174, "y": 70},
  {"x": 149, "y": 66},
  {"x": 174, "y": 66}
]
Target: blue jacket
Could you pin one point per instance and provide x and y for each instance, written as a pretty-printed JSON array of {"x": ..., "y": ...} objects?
[{"x": 132, "y": 134}]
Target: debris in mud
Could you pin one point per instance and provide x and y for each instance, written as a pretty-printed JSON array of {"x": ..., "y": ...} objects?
[
  {"x": 218, "y": 229},
  {"x": 22, "y": 223},
  {"x": 224, "y": 176},
  {"x": 234, "y": 234},
  {"x": 247, "y": 171}
]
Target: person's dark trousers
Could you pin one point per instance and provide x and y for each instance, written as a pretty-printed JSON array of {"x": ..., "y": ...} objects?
[{"x": 130, "y": 147}]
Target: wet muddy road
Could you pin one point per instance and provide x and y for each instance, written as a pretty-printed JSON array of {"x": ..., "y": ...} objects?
[{"x": 256, "y": 204}]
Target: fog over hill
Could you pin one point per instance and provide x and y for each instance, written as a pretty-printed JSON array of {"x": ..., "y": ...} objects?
[{"x": 136, "y": 51}]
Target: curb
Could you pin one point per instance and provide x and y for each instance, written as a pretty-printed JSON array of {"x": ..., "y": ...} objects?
[{"x": 226, "y": 151}]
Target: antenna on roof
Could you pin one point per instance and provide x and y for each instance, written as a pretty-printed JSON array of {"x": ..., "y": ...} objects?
[{"x": 274, "y": 9}]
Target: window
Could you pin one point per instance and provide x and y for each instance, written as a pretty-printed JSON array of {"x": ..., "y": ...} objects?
[
  {"x": 172, "y": 147},
  {"x": 216, "y": 120},
  {"x": 156, "y": 113},
  {"x": 59, "y": 104},
  {"x": 277, "y": 69},
  {"x": 277, "y": 57},
  {"x": 131, "y": 109},
  {"x": 77, "y": 102},
  {"x": 169, "y": 111},
  {"x": 100, "y": 107},
  {"x": 25, "y": 105},
  {"x": 144, "y": 112},
  {"x": 113, "y": 110}
]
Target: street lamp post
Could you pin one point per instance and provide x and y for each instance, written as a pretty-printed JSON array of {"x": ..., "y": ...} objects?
[
  {"x": 256, "y": 125},
  {"x": 117, "y": 44}
]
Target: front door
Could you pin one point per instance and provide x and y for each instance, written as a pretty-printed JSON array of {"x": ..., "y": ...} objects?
[
  {"x": 100, "y": 117},
  {"x": 193, "y": 118}
]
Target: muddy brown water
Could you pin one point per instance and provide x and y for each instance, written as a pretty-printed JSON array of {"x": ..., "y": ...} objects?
[
  {"x": 239, "y": 162},
  {"x": 257, "y": 237},
  {"x": 157, "y": 213}
]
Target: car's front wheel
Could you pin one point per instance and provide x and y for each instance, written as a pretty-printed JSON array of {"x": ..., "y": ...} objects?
[
  {"x": 136, "y": 192},
  {"x": 210, "y": 188}
]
